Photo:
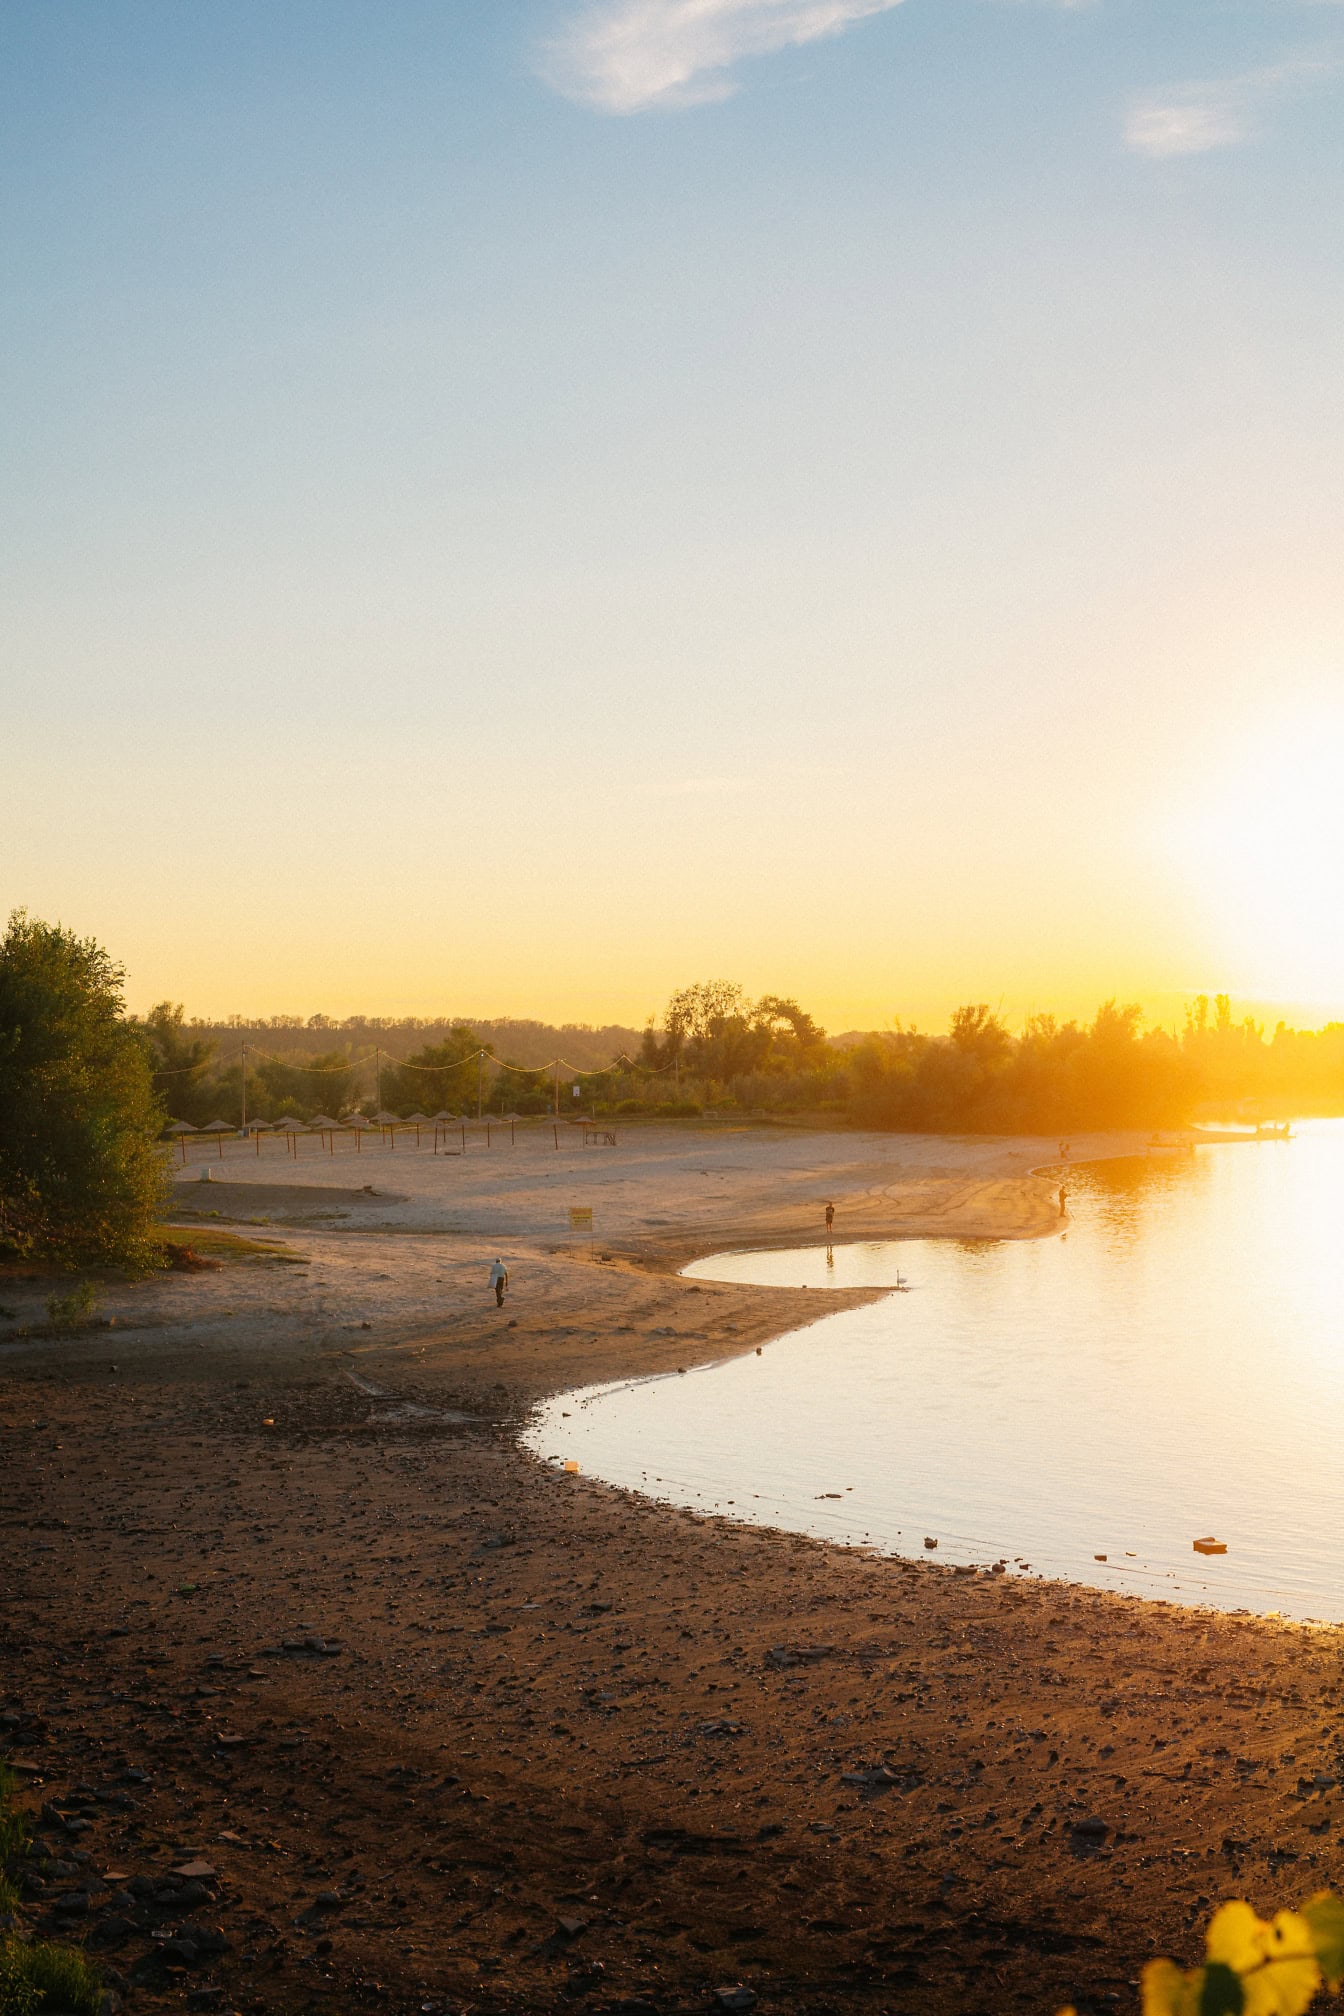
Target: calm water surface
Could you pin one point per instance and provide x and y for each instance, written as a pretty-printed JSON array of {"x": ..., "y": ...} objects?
[{"x": 1172, "y": 1367}]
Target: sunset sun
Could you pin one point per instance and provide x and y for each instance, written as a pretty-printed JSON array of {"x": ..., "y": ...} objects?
[{"x": 1261, "y": 856}]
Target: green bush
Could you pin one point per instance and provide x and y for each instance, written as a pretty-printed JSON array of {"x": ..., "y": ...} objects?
[
  {"x": 72, "y": 1311},
  {"x": 38, "y": 1976},
  {"x": 43, "y": 1976},
  {"x": 83, "y": 1180}
]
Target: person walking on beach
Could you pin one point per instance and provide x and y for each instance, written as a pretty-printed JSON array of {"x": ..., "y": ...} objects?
[
  {"x": 1063, "y": 1195},
  {"x": 830, "y": 1219},
  {"x": 499, "y": 1281}
]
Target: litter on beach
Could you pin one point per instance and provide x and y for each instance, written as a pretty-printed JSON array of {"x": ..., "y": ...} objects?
[
  {"x": 1210, "y": 1546},
  {"x": 572, "y": 1467}
]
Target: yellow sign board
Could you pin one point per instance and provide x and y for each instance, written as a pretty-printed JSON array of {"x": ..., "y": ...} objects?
[{"x": 580, "y": 1217}]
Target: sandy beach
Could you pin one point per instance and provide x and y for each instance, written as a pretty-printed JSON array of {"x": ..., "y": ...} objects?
[{"x": 449, "y": 1729}]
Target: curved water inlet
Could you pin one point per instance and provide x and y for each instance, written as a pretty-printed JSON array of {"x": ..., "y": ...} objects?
[{"x": 1083, "y": 1408}]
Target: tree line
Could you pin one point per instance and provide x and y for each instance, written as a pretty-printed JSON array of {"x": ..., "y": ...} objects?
[
  {"x": 717, "y": 1050},
  {"x": 86, "y": 1089}
]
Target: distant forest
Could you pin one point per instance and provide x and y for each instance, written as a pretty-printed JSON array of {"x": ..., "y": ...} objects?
[{"x": 718, "y": 1052}]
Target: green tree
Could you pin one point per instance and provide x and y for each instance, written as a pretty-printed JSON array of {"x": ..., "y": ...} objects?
[
  {"x": 181, "y": 1064},
  {"x": 83, "y": 1178},
  {"x": 441, "y": 1077}
]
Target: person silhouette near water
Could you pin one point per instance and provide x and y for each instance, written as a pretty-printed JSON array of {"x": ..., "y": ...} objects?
[
  {"x": 499, "y": 1281},
  {"x": 830, "y": 1219},
  {"x": 1062, "y": 1196}
]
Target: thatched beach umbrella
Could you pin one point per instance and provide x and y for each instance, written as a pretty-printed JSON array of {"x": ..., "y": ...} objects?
[
  {"x": 358, "y": 1125},
  {"x": 325, "y": 1127},
  {"x": 291, "y": 1129},
  {"x": 389, "y": 1122},
  {"x": 221, "y": 1128},
  {"x": 180, "y": 1129},
  {"x": 442, "y": 1122},
  {"x": 260, "y": 1127},
  {"x": 417, "y": 1120}
]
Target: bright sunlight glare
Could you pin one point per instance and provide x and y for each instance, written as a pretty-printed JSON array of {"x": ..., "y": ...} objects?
[{"x": 1262, "y": 852}]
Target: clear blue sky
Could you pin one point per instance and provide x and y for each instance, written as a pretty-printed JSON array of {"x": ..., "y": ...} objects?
[{"x": 516, "y": 505}]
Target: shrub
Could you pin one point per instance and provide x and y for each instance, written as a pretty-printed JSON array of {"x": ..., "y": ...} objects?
[
  {"x": 72, "y": 1311},
  {"x": 43, "y": 1976},
  {"x": 83, "y": 1179}
]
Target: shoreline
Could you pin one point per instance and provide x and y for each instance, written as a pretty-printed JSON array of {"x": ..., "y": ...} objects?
[{"x": 578, "y": 1748}]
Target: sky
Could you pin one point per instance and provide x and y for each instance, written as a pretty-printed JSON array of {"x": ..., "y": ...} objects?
[{"x": 512, "y": 508}]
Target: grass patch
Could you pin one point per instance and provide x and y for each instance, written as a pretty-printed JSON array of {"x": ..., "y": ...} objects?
[
  {"x": 38, "y": 1976},
  {"x": 216, "y": 1245},
  {"x": 43, "y": 1976}
]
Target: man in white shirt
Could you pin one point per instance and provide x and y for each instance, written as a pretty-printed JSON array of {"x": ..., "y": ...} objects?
[{"x": 499, "y": 1281}]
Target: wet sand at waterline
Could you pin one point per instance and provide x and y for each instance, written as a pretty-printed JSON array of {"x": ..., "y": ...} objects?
[{"x": 572, "y": 1748}]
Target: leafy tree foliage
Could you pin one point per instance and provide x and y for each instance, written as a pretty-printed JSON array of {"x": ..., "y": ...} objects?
[
  {"x": 1054, "y": 1076},
  {"x": 297, "y": 1088},
  {"x": 443, "y": 1080},
  {"x": 1254, "y": 1966},
  {"x": 82, "y": 1176},
  {"x": 711, "y": 1031},
  {"x": 181, "y": 1064}
]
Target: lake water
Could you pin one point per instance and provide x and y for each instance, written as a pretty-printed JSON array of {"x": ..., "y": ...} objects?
[{"x": 1171, "y": 1367}]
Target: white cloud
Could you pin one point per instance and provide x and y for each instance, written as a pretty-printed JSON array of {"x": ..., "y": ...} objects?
[
  {"x": 628, "y": 55},
  {"x": 1220, "y": 112}
]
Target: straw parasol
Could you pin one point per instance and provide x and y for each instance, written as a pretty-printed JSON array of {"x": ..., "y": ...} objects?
[
  {"x": 358, "y": 1125},
  {"x": 181, "y": 1129},
  {"x": 220, "y": 1128},
  {"x": 323, "y": 1124},
  {"x": 417, "y": 1120},
  {"x": 291, "y": 1129}
]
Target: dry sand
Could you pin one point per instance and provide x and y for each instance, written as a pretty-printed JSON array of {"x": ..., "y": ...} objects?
[{"x": 575, "y": 1750}]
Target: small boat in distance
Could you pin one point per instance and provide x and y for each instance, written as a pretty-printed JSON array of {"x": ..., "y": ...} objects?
[{"x": 1273, "y": 1132}]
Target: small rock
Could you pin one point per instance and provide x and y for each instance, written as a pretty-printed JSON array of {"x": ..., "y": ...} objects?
[
  {"x": 112, "y": 1931},
  {"x": 737, "y": 1997}
]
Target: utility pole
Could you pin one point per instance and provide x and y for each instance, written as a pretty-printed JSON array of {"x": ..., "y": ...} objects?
[
  {"x": 377, "y": 1079},
  {"x": 557, "y": 1089},
  {"x": 480, "y": 1069},
  {"x": 243, "y": 1128}
]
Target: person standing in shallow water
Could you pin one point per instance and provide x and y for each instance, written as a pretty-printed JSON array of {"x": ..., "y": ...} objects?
[
  {"x": 499, "y": 1281},
  {"x": 830, "y": 1219}
]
